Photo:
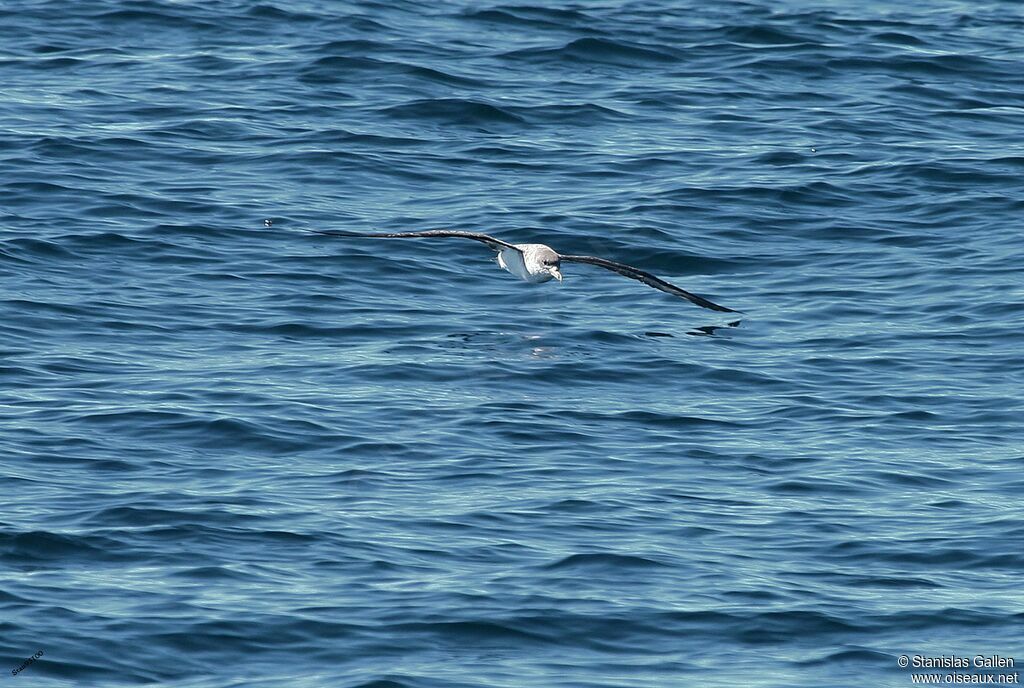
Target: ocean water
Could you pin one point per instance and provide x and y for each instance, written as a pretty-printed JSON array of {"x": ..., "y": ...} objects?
[{"x": 241, "y": 455}]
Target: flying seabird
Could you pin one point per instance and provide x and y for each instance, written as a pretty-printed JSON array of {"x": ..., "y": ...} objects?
[{"x": 539, "y": 263}]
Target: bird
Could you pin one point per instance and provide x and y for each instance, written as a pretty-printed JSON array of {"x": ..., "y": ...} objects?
[{"x": 537, "y": 263}]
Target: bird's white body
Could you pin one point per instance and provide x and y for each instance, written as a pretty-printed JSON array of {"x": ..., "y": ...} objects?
[{"x": 525, "y": 262}]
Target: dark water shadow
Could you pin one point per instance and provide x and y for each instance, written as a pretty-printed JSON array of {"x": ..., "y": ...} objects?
[{"x": 699, "y": 331}]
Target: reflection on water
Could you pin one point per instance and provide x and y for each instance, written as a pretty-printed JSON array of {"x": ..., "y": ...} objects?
[
  {"x": 699, "y": 331},
  {"x": 709, "y": 330}
]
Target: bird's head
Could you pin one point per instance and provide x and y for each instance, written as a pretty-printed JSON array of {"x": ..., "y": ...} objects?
[{"x": 550, "y": 263}]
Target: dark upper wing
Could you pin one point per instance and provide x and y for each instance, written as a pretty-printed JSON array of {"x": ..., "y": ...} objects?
[
  {"x": 649, "y": 279},
  {"x": 496, "y": 244}
]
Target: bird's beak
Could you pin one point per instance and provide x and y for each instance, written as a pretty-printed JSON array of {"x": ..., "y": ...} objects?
[{"x": 557, "y": 273}]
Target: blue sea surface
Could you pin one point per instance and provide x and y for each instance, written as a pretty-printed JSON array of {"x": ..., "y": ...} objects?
[{"x": 236, "y": 454}]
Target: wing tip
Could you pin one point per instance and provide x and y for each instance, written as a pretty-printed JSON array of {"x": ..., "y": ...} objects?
[{"x": 722, "y": 309}]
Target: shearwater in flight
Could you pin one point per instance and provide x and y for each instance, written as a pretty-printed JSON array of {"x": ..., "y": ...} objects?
[{"x": 537, "y": 262}]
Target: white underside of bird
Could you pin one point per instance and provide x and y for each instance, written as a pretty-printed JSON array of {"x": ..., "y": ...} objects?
[{"x": 526, "y": 261}]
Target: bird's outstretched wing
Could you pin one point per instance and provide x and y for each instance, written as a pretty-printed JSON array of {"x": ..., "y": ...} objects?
[
  {"x": 496, "y": 244},
  {"x": 648, "y": 279}
]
